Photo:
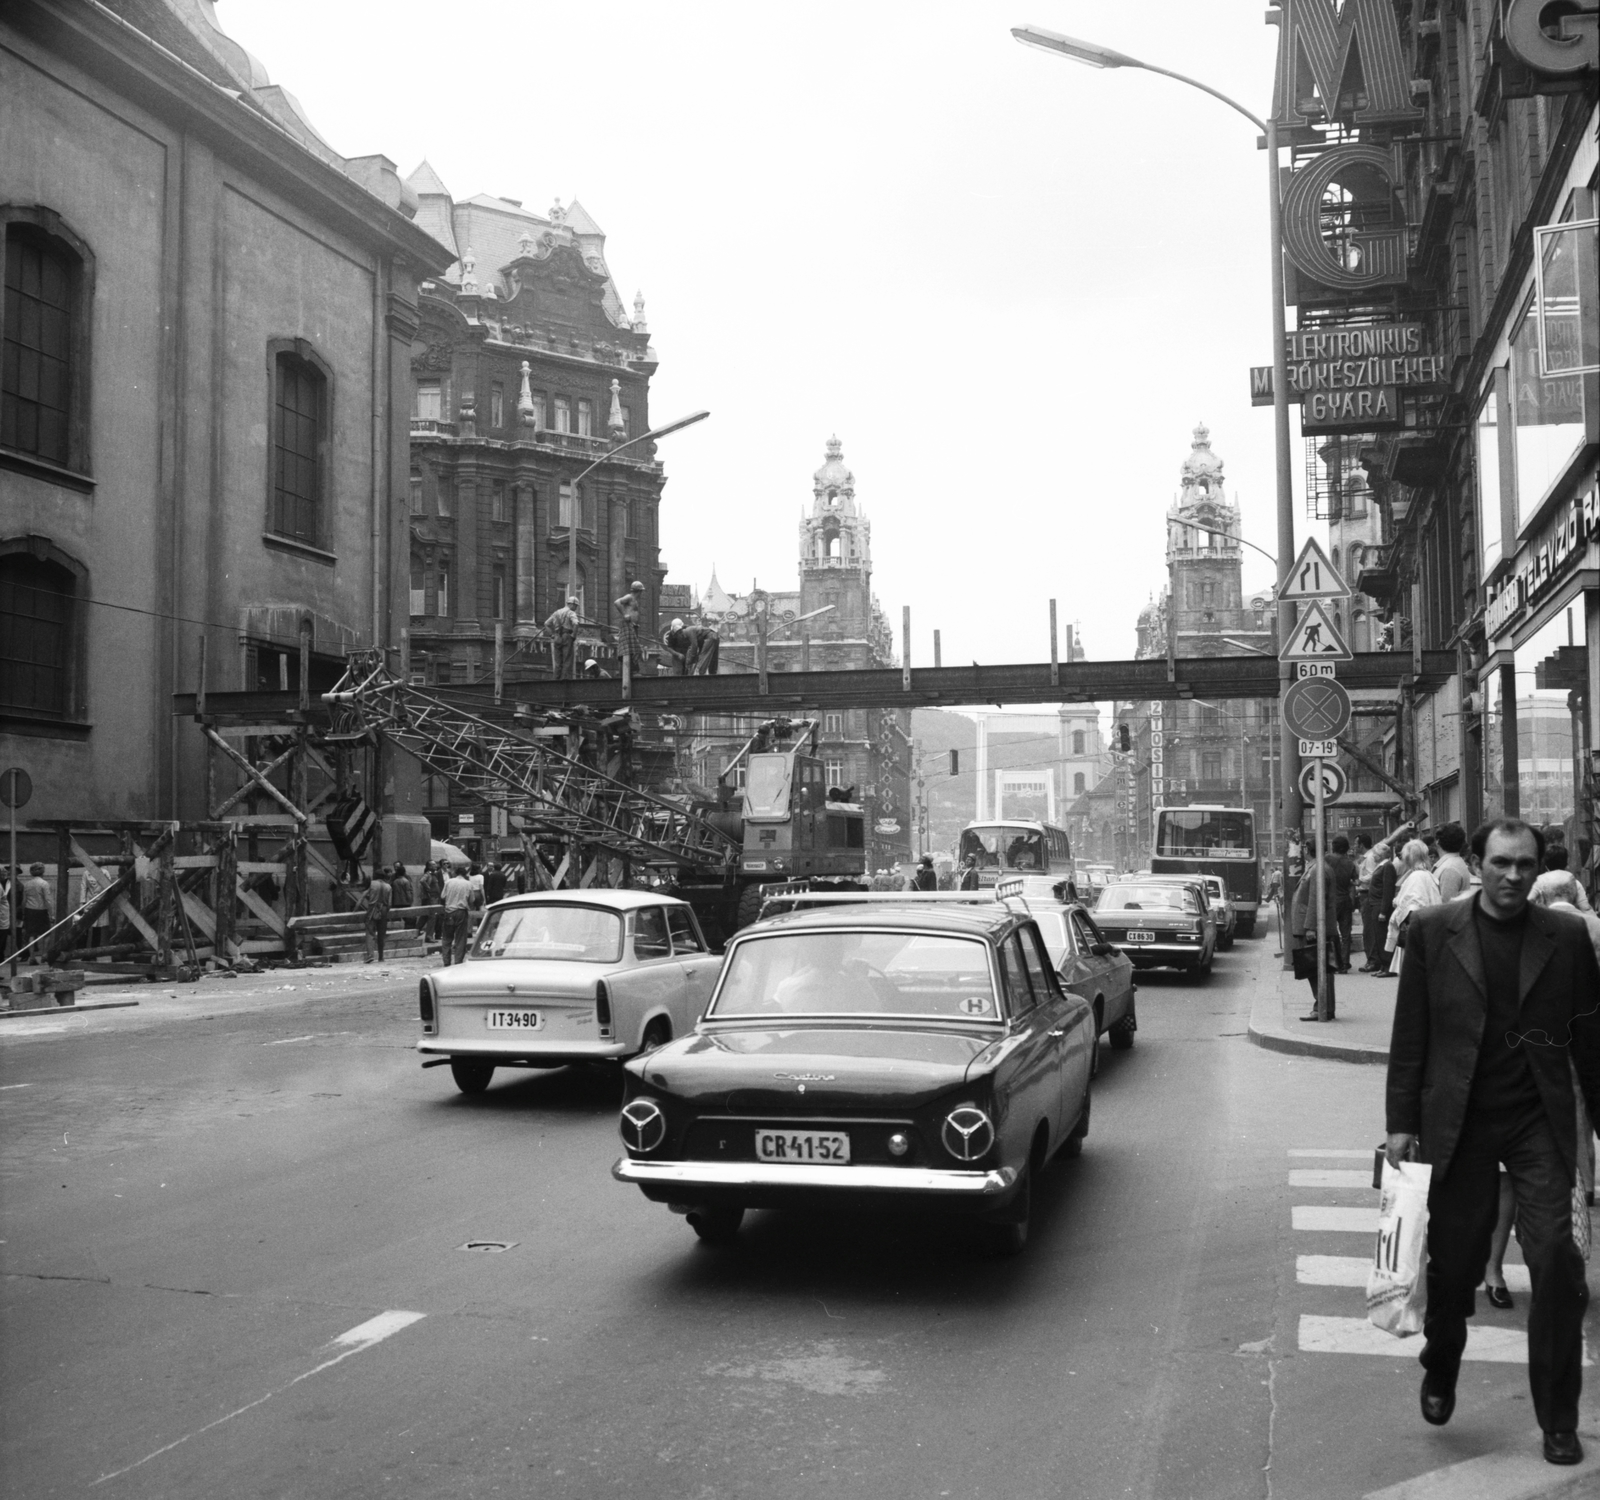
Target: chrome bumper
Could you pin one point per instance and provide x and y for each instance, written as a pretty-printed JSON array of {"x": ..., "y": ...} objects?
[
  {"x": 723, "y": 1175},
  {"x": 555, "y": 1049}
]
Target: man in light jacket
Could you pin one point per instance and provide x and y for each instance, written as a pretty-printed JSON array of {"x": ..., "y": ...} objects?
[
  {"x": 1303, "y": 925},
  {"x": 1496, "y": 1029},
  {"x": 1452, "y": 872}
]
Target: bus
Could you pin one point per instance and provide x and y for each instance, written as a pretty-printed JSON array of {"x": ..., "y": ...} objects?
[
  {"x": 1212, "y": 841},
  {"x": 1012, "y": 847}
]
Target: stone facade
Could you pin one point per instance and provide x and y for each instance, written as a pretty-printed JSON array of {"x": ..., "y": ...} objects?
[
  {"x": 235, "y": 305},
  {"x": 526, "y": 369}
]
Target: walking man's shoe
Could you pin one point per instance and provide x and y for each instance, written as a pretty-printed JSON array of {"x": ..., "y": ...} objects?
[
  {"x": 1562, "y": 1448},
  {"x": 1439, "y": 1403}
]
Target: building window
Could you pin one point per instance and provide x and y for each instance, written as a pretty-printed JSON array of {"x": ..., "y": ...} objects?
[
  {"x": 564, "y": 507},
  {"x": 300, "y": 415},
  {"x": 633, "y": 518},
  {"x": 444, "y": 498},
  {"x": 38, "y": 636},
  {"x": 1078, "y": 784},
  {"x": 563, "y": 414},
  {"x": 497, "y": 500},
  {"x": 430, "y": 401},
  {"x": 585, "y": 418},
  {"x": 416, "y": 493},
  {"x": 1211, "y": 765},
  {"x": 43, "y": 291},
  {"x": 442, "y": 588},
  {"x": 1077, "y": 742},
  {"x": 497, "y": 405},
  {"x": 833, "y": 725},
  {"x": 419, "y": 585},
  {"x": 833, "y": 772},
  {"x": 627, "y": 421},
  {"x": 499, "y": 593},
  {"x": 537, "y": 397},
  {"x": 1488, "y": 474},
  {"x": 564, "y": 591}
]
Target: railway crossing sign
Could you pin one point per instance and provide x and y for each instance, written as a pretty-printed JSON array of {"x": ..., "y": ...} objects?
[
  {"x": 1313, "y": 576},
  {"x": 1315, "y": 637},
  {"x": 1331, "y": 775},
  {"x": 1317, "y": 708}
]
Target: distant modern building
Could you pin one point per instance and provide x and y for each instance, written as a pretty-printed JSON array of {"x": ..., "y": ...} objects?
[
  {"x": 831, "y": 622},
  {"x": 526, "y": 368},
  {"x": 204, "y": 405}
]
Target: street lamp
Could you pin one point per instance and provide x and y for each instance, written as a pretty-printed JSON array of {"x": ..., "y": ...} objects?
[
  {"x": 1091, "y": 54},
  {"x": 606, "y": 457}
]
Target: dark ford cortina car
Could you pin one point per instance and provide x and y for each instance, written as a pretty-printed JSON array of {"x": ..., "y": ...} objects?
[{"x": 885, "y": 1054}]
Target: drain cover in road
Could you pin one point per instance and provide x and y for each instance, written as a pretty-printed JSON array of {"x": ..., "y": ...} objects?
[{"x": 489, "y": 1247}]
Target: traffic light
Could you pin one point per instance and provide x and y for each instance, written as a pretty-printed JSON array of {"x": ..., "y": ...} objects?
[
  {"x": 955, "y": 762},
  {"x": 1124, "y": 739}
]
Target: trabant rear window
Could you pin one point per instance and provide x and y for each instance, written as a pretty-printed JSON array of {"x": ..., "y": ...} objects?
[
  {"x": 858, "y": 973},
  {"x": 582, "y": 934},
  {"x": 1146, "y": 898}
]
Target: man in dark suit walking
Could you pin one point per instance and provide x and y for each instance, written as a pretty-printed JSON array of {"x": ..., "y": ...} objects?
[{"x": 1494, "y": 1025}]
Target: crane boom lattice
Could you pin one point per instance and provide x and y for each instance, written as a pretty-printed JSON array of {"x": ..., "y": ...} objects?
[{"x": 555, "y": 795}]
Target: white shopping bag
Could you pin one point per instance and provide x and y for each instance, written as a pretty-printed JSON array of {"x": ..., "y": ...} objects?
[{"x": 1397, "y": 1284}]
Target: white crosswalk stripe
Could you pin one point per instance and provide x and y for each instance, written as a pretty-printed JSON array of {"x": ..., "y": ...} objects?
[
  {"x": 1487, "y": 1344},
  {"x": 1316, "y": 1216},
  {"x": 1329, "y": 1177},
  {"x": 1341, "y": 1153},
  {"x": 1351, "y": 1270}
]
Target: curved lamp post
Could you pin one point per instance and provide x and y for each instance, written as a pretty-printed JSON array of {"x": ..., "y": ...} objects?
[{"x": 1091, "y": 54}]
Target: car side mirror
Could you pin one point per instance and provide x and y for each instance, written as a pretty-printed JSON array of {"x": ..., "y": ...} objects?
[{"x": 1103, "y": 950}]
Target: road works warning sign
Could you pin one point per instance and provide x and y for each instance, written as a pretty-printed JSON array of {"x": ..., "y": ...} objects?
[{"x": 1315, "y": 638}]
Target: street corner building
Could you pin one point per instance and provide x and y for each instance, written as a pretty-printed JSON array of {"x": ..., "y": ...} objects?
[
  {"x": 527, "y": 368},
  {"x": 208, "y": 331},
  {"x": 1446, "y": 365}
]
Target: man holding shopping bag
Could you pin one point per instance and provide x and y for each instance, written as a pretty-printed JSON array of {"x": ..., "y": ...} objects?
[{"x": 1496, "y": 1039}]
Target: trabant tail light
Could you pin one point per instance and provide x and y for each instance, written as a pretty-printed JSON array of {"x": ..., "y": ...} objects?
[
  {"x": 602, "y": 1007},
  {"x": 643, "y": 1127},
  {"x": 425, "y": 1004},
  {"x": 968, "y": 1133}
]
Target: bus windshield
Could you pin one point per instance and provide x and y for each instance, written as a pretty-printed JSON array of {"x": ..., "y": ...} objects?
[
  {"x": 1004, "y": 846},
  {"x": 1199, "y": 832}
]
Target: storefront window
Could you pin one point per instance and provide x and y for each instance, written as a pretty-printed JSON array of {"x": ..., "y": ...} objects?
[
  {"x": 1488, "y": 467},
  {"x": 1548, "y": 413},
  {"x": 1550, "y": 702},
  {"x": 1569, "y": 297}
]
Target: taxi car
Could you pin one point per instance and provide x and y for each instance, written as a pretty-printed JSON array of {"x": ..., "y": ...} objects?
[
  {"x": 560, "y": 977},
  {"x": 1092, "y": 968},
  {"x": 885, "y": 1054},
  {"x": 1159, "y": 923}
]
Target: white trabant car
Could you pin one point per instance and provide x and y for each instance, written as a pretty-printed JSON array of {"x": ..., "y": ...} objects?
[{"x": 565, "y": 977}]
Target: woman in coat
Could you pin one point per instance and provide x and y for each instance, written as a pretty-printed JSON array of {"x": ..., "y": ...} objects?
[{"x": 1416, "y": 888}]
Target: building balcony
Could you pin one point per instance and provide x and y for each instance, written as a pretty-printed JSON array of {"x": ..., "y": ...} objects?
[{"x": 426, "y": 427}]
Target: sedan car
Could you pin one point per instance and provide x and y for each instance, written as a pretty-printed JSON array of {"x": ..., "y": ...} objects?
[
  {"x": 1093, "y": 969},
  {"x": 886, "y": 1054},
  {"x": 1223, "y": 911},
  {"x": 1159, "y": 924},
  {"x": 563, "y": 977}
]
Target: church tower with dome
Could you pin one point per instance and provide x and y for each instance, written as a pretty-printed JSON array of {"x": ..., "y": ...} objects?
[{"x": 1190, "y": 751}]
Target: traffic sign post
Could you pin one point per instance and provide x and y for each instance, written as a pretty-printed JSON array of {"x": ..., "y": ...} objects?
[
  {"x": 1315, "y": 637},
  {"x": 1319, "y": 823},
  {"x": 1313, "y": 576},
  {"x": 16, "y": 787},
  {"x": 1317, "y": 708},
  {"x": 1332, "y": 777}
]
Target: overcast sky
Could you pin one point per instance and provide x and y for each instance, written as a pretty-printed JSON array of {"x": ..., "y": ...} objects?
[{"x": 1010, "y": 284}]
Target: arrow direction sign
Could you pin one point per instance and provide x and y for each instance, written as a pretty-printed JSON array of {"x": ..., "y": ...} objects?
[
  {"x": 1313, "y": 576},
  {"x": 1315, "y": 637}
]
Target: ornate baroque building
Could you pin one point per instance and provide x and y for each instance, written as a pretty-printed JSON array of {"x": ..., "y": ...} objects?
[
  {"x": 1191, "y": 751},
  {"x": 832, "y": 622},
  {"x": 527, "y": 367}
]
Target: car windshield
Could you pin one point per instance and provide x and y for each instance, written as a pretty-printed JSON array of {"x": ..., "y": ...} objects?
[
  {"x": 858, "y": 973},
  {"x": 1145, "y": 898},
  {"x": 586, "y": 934}
]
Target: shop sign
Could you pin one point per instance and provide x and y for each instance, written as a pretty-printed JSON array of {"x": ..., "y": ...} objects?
[
  {"x": 1315, "y": 41},
  {"x": 1351, "y": 411},
  {"x": 1545, "y": 561},
  {"x": 1331, "y": 370},
  {"x": 1561, "y": 45},
  {"x": 886, "y": 826}
]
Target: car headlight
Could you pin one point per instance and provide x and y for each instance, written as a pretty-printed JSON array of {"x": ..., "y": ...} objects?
[
  {"x": 643, "y": 1127},
  {"x": 968, "y": 1132}
]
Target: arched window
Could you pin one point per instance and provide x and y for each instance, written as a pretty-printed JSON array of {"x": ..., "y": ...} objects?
[
  {"x": 299, "y": 443},
  {"x": 1078, "y": 785},
  {"x": 41, "y": 631},
  {"x": 1077, "y": 744},
  {"x": 44, "y": 339}
]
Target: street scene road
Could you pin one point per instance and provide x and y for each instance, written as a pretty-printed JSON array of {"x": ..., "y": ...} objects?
[{"x": 209, "y": 1197}]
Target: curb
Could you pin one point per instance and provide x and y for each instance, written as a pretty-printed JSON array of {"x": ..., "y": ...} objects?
[
  {"x": 1276, "y": 1040},
  {"x": 36, "y": 1011}
]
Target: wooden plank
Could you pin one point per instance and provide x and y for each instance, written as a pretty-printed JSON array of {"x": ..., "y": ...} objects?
[
  {"x": 253, "y": 731},
  {"x": 195, "y": 862},
  {"x": 199, "y": 913},
  {"x": 261, "y": 867},
  {"x": 260, "y": 908},
  {"x": 142, "y": 927},
  {"x": 260, "y": 945}
]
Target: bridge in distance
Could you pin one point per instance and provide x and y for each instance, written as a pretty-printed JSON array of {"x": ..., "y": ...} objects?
[{"x": 1207, "y": 677}]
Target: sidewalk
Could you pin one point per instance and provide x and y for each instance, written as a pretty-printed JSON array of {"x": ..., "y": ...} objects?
[{"x": 1365, "y": 1008}]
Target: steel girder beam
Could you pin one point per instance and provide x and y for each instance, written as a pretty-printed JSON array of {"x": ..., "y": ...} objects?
[{"x": 883, "y": 687}]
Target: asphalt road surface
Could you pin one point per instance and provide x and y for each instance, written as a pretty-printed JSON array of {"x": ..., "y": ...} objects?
[{"x": 233, "y": 1225}]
